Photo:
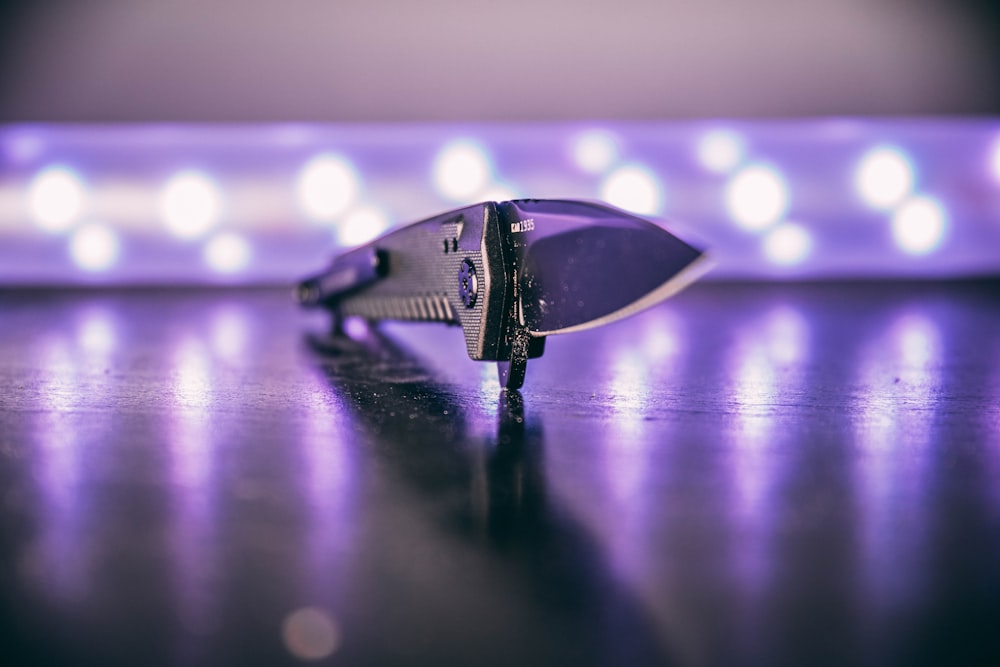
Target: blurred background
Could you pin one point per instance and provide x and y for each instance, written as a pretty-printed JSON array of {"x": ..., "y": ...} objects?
[
  {"x": 244, "y": 141},
  {"x": 758, "y": 474}
]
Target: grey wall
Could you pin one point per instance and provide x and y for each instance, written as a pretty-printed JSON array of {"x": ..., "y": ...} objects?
[{"x": 235, "y": 60}]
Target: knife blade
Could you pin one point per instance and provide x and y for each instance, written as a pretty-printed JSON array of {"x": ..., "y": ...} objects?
[{"x": 510, "y": 274}]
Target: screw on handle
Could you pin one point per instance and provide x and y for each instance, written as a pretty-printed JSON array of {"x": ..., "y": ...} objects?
[{"x": 468, "y": 283}]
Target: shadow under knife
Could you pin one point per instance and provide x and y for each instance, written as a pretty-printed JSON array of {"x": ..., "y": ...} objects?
[{"x": 485, "y": 484}]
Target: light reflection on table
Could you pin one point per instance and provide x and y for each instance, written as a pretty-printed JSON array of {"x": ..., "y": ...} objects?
[{"x": 803, "y": 473}]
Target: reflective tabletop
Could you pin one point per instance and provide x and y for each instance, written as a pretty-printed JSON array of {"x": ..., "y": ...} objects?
[{"x": 748, "y": 474}]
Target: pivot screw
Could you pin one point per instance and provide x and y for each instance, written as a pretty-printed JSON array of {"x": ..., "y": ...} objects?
[{"x": 468, "y": 283}]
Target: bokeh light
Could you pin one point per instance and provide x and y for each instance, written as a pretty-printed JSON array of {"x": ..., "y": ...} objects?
[
  {"x": 787, "y": 335},
  {"x": 227, "y": 253},
  {"x": 190, "y": 204},
  {"x": 24, "y": 147},
  {"x": 361, "y": 226},
  {"x": 96, "y": 333},
  {"x": 462, "y": 170},
  {"x": 94, "y": 247},
  {"x": 918, "y": 225},
  {"x": 633, "y": 188},
  {"x": 884, "y": 177},
  {"x": 327, "y": 186},
  {"x": 787, "y": 244},
  {"x": 232, "y": 329},
  {"x": 918, "y": 339},
  {"x": 720, "y": 151},
  {"x": 756, "y": 197},
  {"x": 56, "y": 198},
  {"x": 595, "y": 151},
  {"x": 310, "y": 633},
  {"x": 995, "y": 159},
  {"x": 851, "y": 188},
  {"x": 499, "y": 192}
]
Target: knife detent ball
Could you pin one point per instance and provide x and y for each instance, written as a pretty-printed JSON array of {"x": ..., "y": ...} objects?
[{"x": 510, "y": 274}]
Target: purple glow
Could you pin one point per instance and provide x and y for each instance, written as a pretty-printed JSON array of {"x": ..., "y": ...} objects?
[
  {"x": 56, "y": 197},
  {"x": 884, "y": 177},
  {"x": 361, "y": 226},
  {"x": 893, "y": 431},
  {"x": 190, "y": 205},
  {"x": 228, "y": 253},
  {"x": 327, "y": 472},
  {"x": 757, "y": 363},
  {"x": 595, "y": 151},
  {"x": 994, "y": 159},
  {"x": 327, "y": 186},
  {"x": 753, "y": 386},
  {"x": 94, "y": 247},
  {"x": 270, "y": 185},
  {"x": 192, "y": 451},
  {"x": 919, "y": 225},
  {"x": 720, "y": 151},
  {"x": 231, "y": 328},
  {"x": 757, "y": 197},
  {"x": 788, "y": 244},
  {"x": 634, "y": 188},
  {"x": 61, "y": 559},
  {"x": 462, "y": 171}
]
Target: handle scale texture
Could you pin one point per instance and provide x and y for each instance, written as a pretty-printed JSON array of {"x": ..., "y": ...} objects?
[{"x": 421, "y": 275}]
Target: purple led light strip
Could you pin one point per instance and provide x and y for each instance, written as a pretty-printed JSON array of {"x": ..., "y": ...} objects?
[{"x": 263, "y": 203}]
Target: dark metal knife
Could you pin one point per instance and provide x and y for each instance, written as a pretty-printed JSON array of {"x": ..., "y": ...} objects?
[{"x": 510, "y": 274}]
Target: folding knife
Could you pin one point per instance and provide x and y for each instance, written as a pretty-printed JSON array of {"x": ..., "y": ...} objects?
[{"x": 510, "y": 274}]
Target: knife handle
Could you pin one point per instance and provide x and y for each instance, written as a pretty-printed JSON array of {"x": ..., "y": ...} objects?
[
  {"x": 459, "y": 268},
  {"x": 346, "y": 274},
  {"x": 454, "y": 268}
]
